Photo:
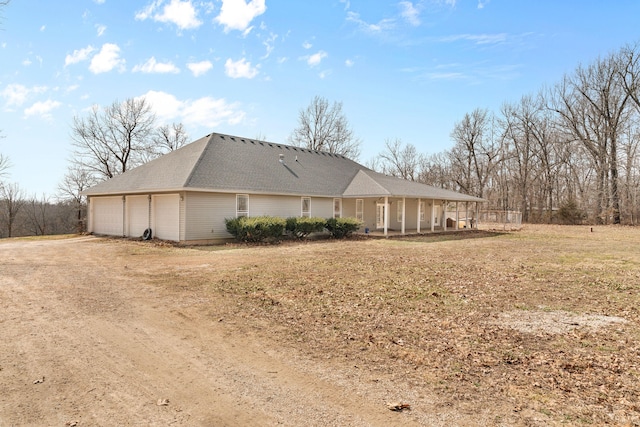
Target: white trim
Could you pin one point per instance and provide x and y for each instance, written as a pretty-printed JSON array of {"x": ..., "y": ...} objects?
[
  {"x": 241, "y": 212},
  {"x": 360, "y": 212},
  {"x": 304, "y": 213},
  {"x": 339, "y": 212}
]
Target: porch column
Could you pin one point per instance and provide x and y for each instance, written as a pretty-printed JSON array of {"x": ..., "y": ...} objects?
[
  {"x": 404, "y": 200},
  {"x": 418, "y": 226},
  {"x": 457, "y": 217},
  {"x": 444, "y": 215},
  {"x": 477, "y": 213},
  {"x": 386, "y": 215},
  {"x": 433, "y": 215}
]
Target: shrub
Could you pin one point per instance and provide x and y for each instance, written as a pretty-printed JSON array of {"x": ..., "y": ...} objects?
[
  {"x": 303, "y": 226},
  {"x": 569, "y": 213},
  {"x": 342, "y": 227},
  {"x": 256, "y": 229}
]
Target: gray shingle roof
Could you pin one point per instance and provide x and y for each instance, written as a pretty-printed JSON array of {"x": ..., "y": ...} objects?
[{"x": 225, "y": 163}]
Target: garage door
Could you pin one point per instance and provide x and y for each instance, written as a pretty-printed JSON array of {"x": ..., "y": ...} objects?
[
  {"x": 166, "y": 217},
  {"x": 137, "y": 215},
  {"x": 107, "y": 215}
]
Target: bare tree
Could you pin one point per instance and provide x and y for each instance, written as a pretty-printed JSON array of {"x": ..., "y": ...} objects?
[
  {"x": 324, "y": 127},
  {"x": 170, "y": 138},
  {"x": 37, "y": 210},
  {"x": 75, "y": 181},
  {"x": 5, "y": 164},
  {"x": 112, "y": 140},
  {"x": 11, "y": 202},
  {"x": 400, "y": 160},
  {"x": 435, "y": 169},
  {"x": 476, "y": 151}
]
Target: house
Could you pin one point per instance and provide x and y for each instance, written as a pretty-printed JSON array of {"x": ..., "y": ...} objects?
[{"x": 187, "y": 194}]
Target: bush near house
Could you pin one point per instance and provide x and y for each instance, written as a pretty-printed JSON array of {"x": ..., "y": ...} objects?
[
  {"x": 268, "y": 228},
  {"x": 342, "y": 227},
  {"x": 301, "y": 227},
  {"x": 256, "y": 229}
]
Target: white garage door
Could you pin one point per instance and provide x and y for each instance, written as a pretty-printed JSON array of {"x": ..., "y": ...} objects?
[
  {"x": 137, "y": 215},
  {"x": 107, "y": 215},
  {"x": 166, "y": 217}
]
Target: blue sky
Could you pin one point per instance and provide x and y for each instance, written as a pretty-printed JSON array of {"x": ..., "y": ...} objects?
[{"x": 402, "y": 69}]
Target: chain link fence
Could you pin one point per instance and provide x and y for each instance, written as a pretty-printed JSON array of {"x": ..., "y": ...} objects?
[{"x": 499, "y": 220}]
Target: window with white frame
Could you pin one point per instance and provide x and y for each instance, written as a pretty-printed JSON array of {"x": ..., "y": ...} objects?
[
  {"x": 423, "y": 207},
  {"x": 242, "y": 205},
  {"x": 306, "y": 207},
  {"x": 337, "y": 208},
  {"x": 400, "y": 210},
  {"x": 360, "y": 209}
]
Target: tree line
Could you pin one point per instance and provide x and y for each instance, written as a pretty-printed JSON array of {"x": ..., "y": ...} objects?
[{"x": 568, "y": 153}]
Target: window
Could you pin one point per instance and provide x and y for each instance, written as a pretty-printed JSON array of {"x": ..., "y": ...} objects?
[
  {"x": 337, "y": 208},
  {"x": 423, "y": 207},
  {"x": 400, "y": 210},
  {"x": 360, "y": 209},
  {"x": 306, "y": 207},
  {"x": 242, "y": 205}
]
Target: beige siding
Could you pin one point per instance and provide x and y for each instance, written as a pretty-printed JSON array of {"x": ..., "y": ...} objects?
[
  {"x": 205, "y": 214},
  {"x": 165, "y": 214},
  {"x": 107, "y": 215},
  {"x": 137, "y": 215},
  {"x": 322, "y": 207},
  {"x": 281, "y": 206}
]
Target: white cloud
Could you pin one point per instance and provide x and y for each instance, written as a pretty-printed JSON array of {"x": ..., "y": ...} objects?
[
  {"x": 78, "y": 55},
  {"x": 482, "y": 3},
  {"x": 307, "y": 45},
  {"x": 269, "y": 44},
  {"x": 17, "y": 94},
  {"x": 100, "y": 29},
  {"x": 349, "y": 63},
  {"x": 325, "y": 73},
  {"x": 153, "y": 66},
  {"x": 207, "y": 111},
  {"x": 316, "y": 58},
  {"x": 181, "y": 13},
  {"x": 382, "y": 25},
  {"x": 107, "y": 59},
  {"x": 42, "y": 109},
  {"x": 42, "y": 28},
  {"x": 410, "y": 13},
  {"x": 477, "y": 38},
  {"x": 238, "y": 14},
  {"x": 240, "y": 68},
  {"x": 199, "y": 68}
]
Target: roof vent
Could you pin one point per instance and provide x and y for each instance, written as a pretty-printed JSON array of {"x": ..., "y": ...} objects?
[{"x": 282, "y": 158}]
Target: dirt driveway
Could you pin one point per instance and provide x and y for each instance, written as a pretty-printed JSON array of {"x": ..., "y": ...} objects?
[{"x": 86, "y": 338}]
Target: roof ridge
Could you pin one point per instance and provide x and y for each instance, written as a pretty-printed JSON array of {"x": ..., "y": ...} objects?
[
  {"x": 236, "y": 138},
  {"x": 200, "y": 157}
]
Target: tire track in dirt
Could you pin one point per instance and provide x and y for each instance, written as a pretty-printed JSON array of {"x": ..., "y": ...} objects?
[{"x": 110, "y": 346}]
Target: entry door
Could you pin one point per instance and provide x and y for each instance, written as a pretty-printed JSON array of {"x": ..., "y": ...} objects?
[{"x": 380, "y": 215}]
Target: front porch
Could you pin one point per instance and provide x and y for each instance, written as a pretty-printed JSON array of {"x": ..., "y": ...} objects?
[{"x": 399, "y": 216}]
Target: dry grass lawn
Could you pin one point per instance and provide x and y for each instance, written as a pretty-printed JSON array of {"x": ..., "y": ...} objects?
[
  {"x": 543, "y": 321},
  {"x": 534, "y": 327}
]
